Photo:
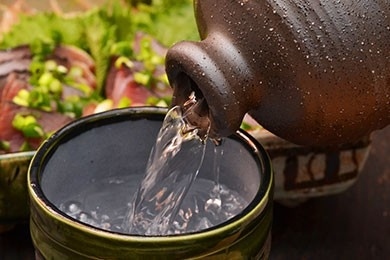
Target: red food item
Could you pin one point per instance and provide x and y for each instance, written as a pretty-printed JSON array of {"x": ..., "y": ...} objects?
[
  {"x": 121, "y": 84},
  {"x": 48, "y": 121},
  {"x": 70, "y": 56},
  {"x": 13, "y": 83},
  {"x": 120, "y": 81},
  {"x": 14, "y": 76}
]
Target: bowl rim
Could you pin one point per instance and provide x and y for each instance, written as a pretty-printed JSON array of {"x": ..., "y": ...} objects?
[{"x": 254, "y": 209}]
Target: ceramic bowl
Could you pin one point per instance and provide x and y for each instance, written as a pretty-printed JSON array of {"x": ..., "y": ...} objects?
[
  {"x": 303, "y": 172},
  {"x": 117, "y": 143}
]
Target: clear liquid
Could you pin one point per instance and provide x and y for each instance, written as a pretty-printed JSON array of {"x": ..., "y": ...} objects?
[
  {"x": 103, "y": 204},
  {"x": 173, "y": 165},
  {"x": 167, "y": 201}
]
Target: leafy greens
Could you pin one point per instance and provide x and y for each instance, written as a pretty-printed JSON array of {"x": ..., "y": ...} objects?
[{"x": 104, "y": 31}]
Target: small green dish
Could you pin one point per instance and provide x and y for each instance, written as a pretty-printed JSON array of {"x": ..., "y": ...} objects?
[{"x": 13, "y": 189}]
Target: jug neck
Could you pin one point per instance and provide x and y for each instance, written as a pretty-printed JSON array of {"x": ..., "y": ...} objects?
[{"x": 214, "y": 70}]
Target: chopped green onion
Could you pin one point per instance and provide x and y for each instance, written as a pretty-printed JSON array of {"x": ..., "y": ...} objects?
[
  {"x": 45, "y": 79},
  {"x": 62, "y": 69},
  {"x": 124, "y": 102},
  {"x": 28, "y": 125},
  {"x": 50, "y": 65},
  {"x": 55, "y": 87},
  {"x": 162, "y": 103},
  {"x": 5, "y": 145},
  {"x": 75, "y": 72},
  {"x": 105, "y": 105},
  {"x": 22, "y": 98},
  {"x": 123, "y": 61},
  {"x": 142, "y": 78}
]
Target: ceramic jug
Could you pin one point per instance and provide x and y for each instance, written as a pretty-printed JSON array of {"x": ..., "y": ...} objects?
[{"x": 311, "y": 72}]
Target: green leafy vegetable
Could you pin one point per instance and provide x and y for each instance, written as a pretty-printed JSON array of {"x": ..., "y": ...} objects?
[
  {"x": 169, "y": 21},
  {"x": 105, "y": 31}
]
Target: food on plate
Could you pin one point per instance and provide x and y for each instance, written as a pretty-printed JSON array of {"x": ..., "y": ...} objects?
[
  {"x": 37, "y": 96},
  {"x": 75, "y": 64}
]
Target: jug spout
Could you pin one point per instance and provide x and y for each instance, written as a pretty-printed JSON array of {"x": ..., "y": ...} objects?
[{"x": 223, "y": 87}]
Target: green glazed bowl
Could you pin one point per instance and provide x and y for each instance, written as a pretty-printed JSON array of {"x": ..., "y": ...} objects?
[
  {"x": 121, "y": 141},
  {"x": 13, "y": 189}
]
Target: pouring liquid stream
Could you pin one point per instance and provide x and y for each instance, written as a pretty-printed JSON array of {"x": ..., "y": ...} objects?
[
  {"x": 170, "y": 198},
  {"x": 169, "y": 174},
  {"x": 173, "y": 166}
]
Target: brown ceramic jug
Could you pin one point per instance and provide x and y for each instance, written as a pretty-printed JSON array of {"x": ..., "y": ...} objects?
[{"x": 311, "y": 72}]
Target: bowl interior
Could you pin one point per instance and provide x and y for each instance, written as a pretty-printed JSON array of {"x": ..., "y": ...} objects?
[{"x": 116, "y": 144}]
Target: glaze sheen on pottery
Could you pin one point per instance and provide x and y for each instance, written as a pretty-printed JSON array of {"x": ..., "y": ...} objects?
[
  {"x": 310, "y": 72},
  {"x": 120, "y": 141},
  {"x": 13, "y": 188}
]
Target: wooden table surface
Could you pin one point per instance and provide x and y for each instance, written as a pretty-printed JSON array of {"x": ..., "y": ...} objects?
[{"x": 354, "y": 224}]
